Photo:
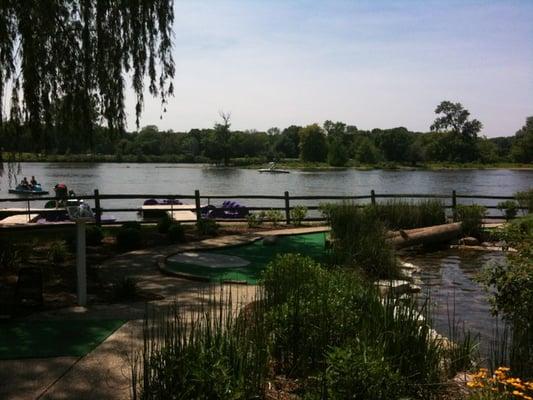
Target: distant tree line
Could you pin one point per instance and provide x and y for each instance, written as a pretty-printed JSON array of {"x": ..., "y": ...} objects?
[{"x": 453, "y": 137}]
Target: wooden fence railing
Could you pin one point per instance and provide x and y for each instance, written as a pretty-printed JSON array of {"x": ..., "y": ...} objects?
[{"x": 450, "y": 201}]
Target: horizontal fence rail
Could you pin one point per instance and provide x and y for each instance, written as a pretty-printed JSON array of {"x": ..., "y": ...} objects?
[{"x": 286, "y": 203}]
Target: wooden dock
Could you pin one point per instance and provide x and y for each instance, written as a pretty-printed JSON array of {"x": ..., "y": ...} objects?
[{"x": 178, "y": 212}]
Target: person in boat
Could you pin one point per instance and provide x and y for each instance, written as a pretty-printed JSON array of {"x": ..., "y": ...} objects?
[
  {"x": 33, "y": 182},
  {"x": 24, "y": 183}
]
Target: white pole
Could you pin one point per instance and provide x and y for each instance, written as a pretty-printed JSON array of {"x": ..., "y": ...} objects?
[{"x": 80, "y": 264}]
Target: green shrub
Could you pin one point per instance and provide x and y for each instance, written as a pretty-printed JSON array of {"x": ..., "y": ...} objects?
[
  {"x": 274, "y": 216},
  {"x": 254, "y": 220},
  {"x": 207, "y": 227},
  {"x": 298, "y": 214},
  {"x": 509, "y": 208},
  {"x": 356, "y": 372},
  {"x": 359, "y": 240},
  {"x": 471, "y": 218},
  {"x": 525, "y": 200},
  {"x": 129, "y": 237},
  {"x": 311, "y": 310},
  {"x": 511, "y": 287},
  {"x": 164, "y": 224},
  {"x": 57, "y": 251},
  {"x": 93, "y": 235},
  {"x": 12, "y": 254},
  {"x": 176, "y": 233}
]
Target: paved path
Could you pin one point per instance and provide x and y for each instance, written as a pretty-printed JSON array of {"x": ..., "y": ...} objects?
[{"x": 105, "y": 372}]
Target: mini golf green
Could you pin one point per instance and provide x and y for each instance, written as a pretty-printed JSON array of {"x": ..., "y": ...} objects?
[
  {"x": 40, "y": 339},
  {"x": 249, "y": 260}
]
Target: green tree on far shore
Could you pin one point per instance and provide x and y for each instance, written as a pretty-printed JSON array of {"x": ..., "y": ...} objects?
[
  {"x": 459, "y": 132},
  {"x": 313, "y": 144},
  {"x": 522, "y": 148}
]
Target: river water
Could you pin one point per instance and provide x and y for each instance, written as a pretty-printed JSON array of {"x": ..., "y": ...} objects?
[{"x": 116, "y": 178}]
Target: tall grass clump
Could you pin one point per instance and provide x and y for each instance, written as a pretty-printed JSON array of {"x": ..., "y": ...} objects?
[
  {"x": 471, "y": 218},
  {"x": 359, "y": 240},
  {"x": 202, "y": 354},
  {"x": 399, "y": 214}
]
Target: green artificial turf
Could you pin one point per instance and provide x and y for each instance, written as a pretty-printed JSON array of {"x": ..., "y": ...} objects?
[
  {"x": 39, "y": 339},
  {"x": 259, "y": 255}
]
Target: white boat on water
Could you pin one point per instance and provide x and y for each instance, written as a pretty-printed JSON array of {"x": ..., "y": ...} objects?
[{"x": 273, "y": 170}]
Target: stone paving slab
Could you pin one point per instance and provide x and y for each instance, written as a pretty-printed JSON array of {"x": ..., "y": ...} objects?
[{"x": 26, "y": 379}]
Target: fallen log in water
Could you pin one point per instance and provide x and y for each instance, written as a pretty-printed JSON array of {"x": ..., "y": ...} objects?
[{"x": 429, "y": 235}]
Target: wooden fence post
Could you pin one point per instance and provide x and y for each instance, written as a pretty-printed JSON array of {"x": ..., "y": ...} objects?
[
  {"x": 373, "y": 197},
  {"x": 197, "y": 202},
  {"x": 454, "y": 204},
  {"x": 98, "y": 210},
  {"x": 287, "y": 208}
]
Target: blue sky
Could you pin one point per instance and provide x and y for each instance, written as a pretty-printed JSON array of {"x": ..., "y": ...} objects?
[{"x": 380, "y": 63}]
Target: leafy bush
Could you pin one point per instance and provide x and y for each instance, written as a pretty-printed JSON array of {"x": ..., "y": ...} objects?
[
  {"x": 471, "y": 218},
  {"x": 254, "y": 220},
  {"x": 129, "y": 236},
  {"x": 397, "y": 214},
  {"x": 355, "y": 372},
  {"x": 511, "y": 288},
  {"x": 207, "y": 227},
  {"x": 57, "y": 251},
  {"x": 525, "y": 200},
  {"x": 274, "y": 216},
  {"x": 509, "y": 208},
  {"x": 359, "y": 240},
  {"x": 164, "y": 224},
  {"x": 176, "y": 233},
  {"x": 93, "y": 235},
  {"x": 298, "y": 214}
]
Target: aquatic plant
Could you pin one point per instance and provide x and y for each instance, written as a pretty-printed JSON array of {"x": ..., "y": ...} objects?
[
  {"x": 400, "y": 214},
  {"x": 359, "y": 240},
  {"x": 471, "y": 217},
  {"x": 205, "y": 353}
]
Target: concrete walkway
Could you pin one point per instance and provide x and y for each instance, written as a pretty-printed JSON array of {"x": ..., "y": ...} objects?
[{"x": 105, "y": 373}]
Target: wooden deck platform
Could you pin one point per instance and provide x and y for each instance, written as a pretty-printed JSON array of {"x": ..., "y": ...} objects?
[{"x": 178, "y": 212}]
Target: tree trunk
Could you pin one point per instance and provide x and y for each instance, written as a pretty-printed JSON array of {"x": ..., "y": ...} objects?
[{"x": 429, "y": 235}]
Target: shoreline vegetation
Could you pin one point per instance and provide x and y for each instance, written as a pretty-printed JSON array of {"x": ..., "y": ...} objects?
[{"x": 254, "y": 162}]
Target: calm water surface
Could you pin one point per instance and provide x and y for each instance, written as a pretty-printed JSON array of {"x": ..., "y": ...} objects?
[
  {"x": 114, "y": 178},
  {"x": 448, "y": 281}
]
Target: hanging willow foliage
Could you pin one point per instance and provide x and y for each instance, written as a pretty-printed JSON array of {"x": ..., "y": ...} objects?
[{"x": 66, "y": 62}]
